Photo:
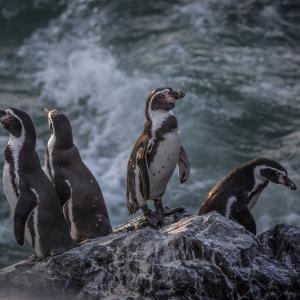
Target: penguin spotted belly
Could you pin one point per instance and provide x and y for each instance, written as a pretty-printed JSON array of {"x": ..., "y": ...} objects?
[{"x": 164, "y": 163}]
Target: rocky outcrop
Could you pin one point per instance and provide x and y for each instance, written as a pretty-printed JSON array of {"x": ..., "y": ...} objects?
[{"x": 197, "y": 257}]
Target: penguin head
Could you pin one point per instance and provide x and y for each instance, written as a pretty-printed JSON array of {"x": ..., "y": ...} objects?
[
  {"x": 268, "y": 169},
  {"x": 19, "y": 125},
  {"x": 162, "y": 100},
  {"x": 60, "y": 127}
]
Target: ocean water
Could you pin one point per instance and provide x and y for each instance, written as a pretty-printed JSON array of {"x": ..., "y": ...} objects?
[{"x": 237, "y": 61}]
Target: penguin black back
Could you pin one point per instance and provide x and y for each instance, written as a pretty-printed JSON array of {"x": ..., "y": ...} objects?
[
  {"x": 60, "y": 126},
  {"x": 79, "y": 192},
  {"x": 237, "y": 193}
]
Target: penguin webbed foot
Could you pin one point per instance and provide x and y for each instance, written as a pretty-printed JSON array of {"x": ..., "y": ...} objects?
[
  {"x": 153, "y": 218},
  {"x": 32, "y": 259},
  {"x": 170, "y": 211},
  {"x": 167, "y": 211}
]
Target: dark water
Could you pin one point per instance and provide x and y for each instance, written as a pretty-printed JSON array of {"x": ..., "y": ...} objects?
[{"x": 238, "y": 62}]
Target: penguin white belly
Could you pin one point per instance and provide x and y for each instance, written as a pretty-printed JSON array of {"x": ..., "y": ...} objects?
[
  {"x": 164, "y": 163},
  {"x": 8, "y": 188}
]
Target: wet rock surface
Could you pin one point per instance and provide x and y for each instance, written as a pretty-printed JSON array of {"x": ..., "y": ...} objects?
[{"x": 190, "y": 257}]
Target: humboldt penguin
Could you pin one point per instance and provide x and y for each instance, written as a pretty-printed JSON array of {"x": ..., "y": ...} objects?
[
  {"x": 36, "y": 210},
  {"x": 237, "y": 193},
  {"x": 155, "y": 155},
  {"x": 79, "y": 192}
]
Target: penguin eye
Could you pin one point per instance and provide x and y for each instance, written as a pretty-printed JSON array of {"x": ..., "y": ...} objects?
[{"x": 278, "y": 173}]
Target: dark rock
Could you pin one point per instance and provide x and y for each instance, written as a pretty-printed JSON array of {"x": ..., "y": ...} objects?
[{"x": 197, "y": 257}]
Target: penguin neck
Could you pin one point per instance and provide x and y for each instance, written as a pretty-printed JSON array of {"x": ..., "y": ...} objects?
[
  {"x": 16, "y": 143},
  {"x": 258, "y": 178},
  {"x": 61, "y": 140},
  {"x": 12, "y": 157},
  {"x": 154, "y": 120},
  {"x": 23, "y": 142},
  {"x": 259, "y": 181}
]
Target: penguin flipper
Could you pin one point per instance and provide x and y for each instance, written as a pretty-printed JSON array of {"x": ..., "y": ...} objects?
[
  {"x": 138, "y": 190},
  {"x": 132, "y": 204},
  {"x": 245, "y": 218},
  {"x": 183, "y": 166},
  {"x": 141, "y": 161},
  {"x": 62, "y": 187},
  {"x": 26, "y": 203}
]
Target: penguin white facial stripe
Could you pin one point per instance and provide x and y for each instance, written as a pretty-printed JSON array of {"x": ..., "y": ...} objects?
[
  {"x": 151, "y": 100},
  {"x": 259, "y": 179},
  {"x": 229, "y": 204},
  {"x": 157, "y": 93},
  {"x": 16, "y": 144},
  {"x": 282, "y": 173},
  {"x": 257, "y": 170}
]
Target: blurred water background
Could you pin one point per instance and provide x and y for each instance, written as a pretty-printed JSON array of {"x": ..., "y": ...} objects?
[{"x": 97, "y": 60}]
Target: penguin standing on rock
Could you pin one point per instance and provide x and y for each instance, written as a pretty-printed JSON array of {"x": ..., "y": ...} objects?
[
  {"x": 79, "y": 192},
  {"x": 37, "y": 214},
  {"x": 237, "y": 193},
  {"x": 155, "y": 155}
]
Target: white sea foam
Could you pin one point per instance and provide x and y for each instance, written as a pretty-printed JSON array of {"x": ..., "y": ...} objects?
[
  {"x": 77, "y": 74},
  {"x": 105, "y": 105}
]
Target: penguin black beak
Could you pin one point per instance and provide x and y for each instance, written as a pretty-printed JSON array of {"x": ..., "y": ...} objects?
[
  {"x": 289, "y": 183},
  {"x": 177, "y": 94}
]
